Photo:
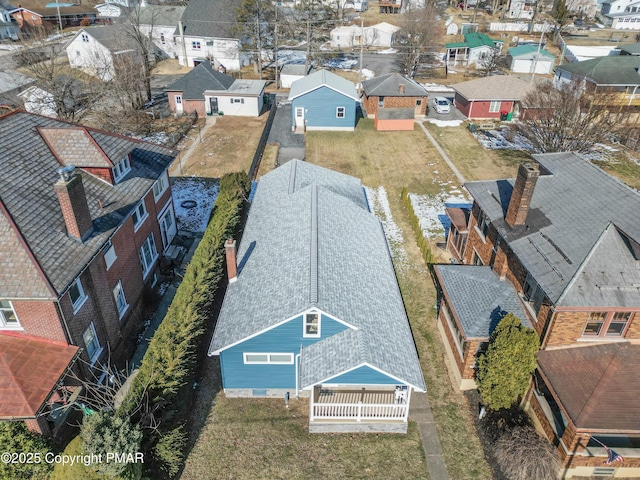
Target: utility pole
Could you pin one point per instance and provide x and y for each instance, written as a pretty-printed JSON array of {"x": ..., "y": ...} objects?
[
  {"x": 59, "y": 16},
  {"x": 258, "y": 40},
  {"x": 361, "y": 52},
  {"x": 535, "y": 59},
  {"x": 307, "y": 61},
  {"x": 276, "y": 48}
]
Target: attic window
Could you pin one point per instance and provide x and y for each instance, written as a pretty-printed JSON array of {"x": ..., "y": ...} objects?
[
  {"x": 311, "y": 325},
  {"x": 85, "y": 37},
  {"x": 121, "y": 169}
]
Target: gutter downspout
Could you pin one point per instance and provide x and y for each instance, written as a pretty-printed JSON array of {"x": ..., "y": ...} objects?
[
  {"x": 64, "y": 321},
  {"x": 297, "y": 361}
]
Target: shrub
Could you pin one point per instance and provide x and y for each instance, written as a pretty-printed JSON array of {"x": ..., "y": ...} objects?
[
  {"x": 169, "y": 450},
  {"x": 16, "y": 437},
  {"x": 504, "y": 371}
]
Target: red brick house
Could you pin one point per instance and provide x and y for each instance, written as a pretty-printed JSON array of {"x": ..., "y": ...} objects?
[
  {"x": 489, "y": 97},
  {"x": 566, "y": 237},
  {"x": 85, "y": 215},
  {"x": 393, "y": 101}
]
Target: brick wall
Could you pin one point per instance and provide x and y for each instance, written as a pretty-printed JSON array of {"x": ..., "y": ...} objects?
[
  {"x": 469, "y": 349},
  {"x": 73, "y": 204},
  {"x": 188, "y": 106},
  {"x": 534, "y": 407},
  {"x": 40, "y": 318},
  {"x": 103, "y": 173},
  {"x": 456, "y": 353},
  {"x": 371, "y": 103}
]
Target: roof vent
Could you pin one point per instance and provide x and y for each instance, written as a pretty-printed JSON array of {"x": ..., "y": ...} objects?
[{"x": 66, "y": 173}]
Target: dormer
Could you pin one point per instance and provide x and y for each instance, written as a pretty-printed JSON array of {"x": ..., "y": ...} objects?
[{"x": 120, "y": 169}]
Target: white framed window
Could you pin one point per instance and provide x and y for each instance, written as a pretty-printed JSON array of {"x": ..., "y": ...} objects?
[
  {"x": 109, "y": 253},
  {"x": 148, "y": 255},
  {"x": 8, "y": 317},
  {"x": 195, "y": 45},
  {"x": 160, "y": 186},
  {"x": 77, "y": 295},
  {"x": 311, "y": 325},
  {"x": 237, "y": 100},
  {"x": 268, "y": 358},
  {"x": 209, "y": 43},
  {"x": 91, "y": 343},
  {"x": 340, "y": 111},
  {"x": 162, "y": 38},
  {"x": 121, "y": 169},
  {"x": 494, "y": 106},
  {"x": 139, "y": 215},
  {"x": 85, "y": 37},
  {"x": 121, "y": 301},
  {"x": 607, "y": 324}
]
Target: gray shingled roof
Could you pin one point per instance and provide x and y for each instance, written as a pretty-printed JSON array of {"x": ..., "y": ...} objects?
[
  {"x": 389, "y": 86},
  {"x": 501, "y": 87},
  {"x": 323, "y": 78},
  {"x": 479, "y": 298},
  {"x": 203, "y": 77},
  {"x": 349, "y": 275},
  {"x": 27, "y": 174},
  {"x": 570, "y": 209},
  {"x": 210, "y": 18},
  {"x": 616, "y": 70},
  {"x": 160, "y": 15},
  {"x": 116, "y": 37},
  {"x": 631, "y": 48}
]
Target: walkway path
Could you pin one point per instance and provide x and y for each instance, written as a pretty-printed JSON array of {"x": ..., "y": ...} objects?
[
  {"x": 444, "y": 156},
  {"x": 210, "y": 121},
  {"x": 420, "y": 412}
]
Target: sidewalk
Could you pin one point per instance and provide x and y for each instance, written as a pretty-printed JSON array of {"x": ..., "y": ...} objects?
[
  {"x": 420, "y": 412},
  {"x": 444, "y": 156}
]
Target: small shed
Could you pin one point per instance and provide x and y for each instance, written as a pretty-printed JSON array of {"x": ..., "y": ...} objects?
[
  {"x": 290, "y": 72},
  {"x": 527, "y": 59},
  {"x": 394, "y": 119}
]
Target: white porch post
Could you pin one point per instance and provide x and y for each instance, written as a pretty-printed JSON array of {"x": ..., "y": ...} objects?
[
  {"x": 359, "y": 417},
  {"x": 406, "y": 410},
  {"x": 311, "y": 397}
]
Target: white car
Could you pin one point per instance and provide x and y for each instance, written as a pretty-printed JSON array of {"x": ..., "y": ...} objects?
[{"x": 441, "y": 105}]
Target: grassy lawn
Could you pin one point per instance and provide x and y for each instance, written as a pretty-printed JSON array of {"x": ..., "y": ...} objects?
[
  {"x": 622, "y": 167},
  {"x": 259, "y": 438},
  {"x": 226, "y": 147},
  {"x": 474, "y": 161}
]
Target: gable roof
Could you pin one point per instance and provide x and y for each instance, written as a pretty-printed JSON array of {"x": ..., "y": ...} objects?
[
  {"x": 29, "y": 369},
  {"x": 13, "y": 81},
  {"x": 201, "y": 78},
  {"x": 115, "y": 37},
  {"x": 631, "y": 48},
  {"x": 33, "y": 237},
  {"x": 501, "y": 87},
  {"x": 528, "y": 50},
  {"x": 161, "y": 15},
  {"x": 617, "y": 70},
  {"x": 389, "y": 86},
  {"x": 323, "y": 78},
  {"x": 479, "y": 298},
  {"x": 572, "y": 205},
  {"x": 303, "y": 248},
  {"x": 597, "y": 385},
  {"x": 475, "y": 40},
  {"x": 385, "y": 27},
  {"x": 209, "y": 18},
  {"x": 295, "y": 69}
]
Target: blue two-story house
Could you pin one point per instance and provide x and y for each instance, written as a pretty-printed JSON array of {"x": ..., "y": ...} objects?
[
  {"x": 313, "y": 308},
  {"x": 323, "y": 101}
]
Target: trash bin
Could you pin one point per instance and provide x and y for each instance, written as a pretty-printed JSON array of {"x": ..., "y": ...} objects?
[
  {"x": 503, "y": 116},
  {"x": 472, "y": 127},
  {"x": 509, "y": 116}
]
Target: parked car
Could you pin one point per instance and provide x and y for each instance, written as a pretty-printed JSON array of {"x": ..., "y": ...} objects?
[{"x": 441, "y": 105}]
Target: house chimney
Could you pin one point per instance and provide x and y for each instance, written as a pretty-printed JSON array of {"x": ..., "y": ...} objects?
[
  {"x": 522, "y": 193},
  {"x": 73, "y": 203},
  {"x": 232, "y": 263},
  {"x": 401, "y": 88}
]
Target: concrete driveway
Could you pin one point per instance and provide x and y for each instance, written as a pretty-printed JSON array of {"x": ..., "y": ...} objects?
[
  {"x": 291, "y": 144},
  {"x": 454, "y": 113}
]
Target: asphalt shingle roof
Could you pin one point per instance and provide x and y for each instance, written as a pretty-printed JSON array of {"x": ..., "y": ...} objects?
[
  {"x": 616, "y": 70},
  {"x": 160, "y": 15},
  {"x": 529, "y": 51},
  {"x": 573, "y": 203},
  {"x": 210, "y": 18},
  {"x": 474, "y": 40},
  {"x": 203, "y": 77},
  {"x": 323, "y": 78},
  {"x": 501, "y": 87},
  {"x": 598, "y": 385},
  {"x": 27, "y": 175},
  {"x": 479, "y": 298},
  {"x": 353, "y": 279},
  {"x": 389, "y": 86}
]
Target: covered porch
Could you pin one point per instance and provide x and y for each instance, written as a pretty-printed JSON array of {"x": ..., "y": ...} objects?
[{"x": 353, "y": 409}]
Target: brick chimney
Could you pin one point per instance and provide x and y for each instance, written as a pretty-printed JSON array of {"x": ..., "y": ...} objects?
[
  {"x": 528, "y": 174},
  {"x": 73, "y": 203},
  {"x": 232, "y": 262},
  {"x": 401, "y": 88}
]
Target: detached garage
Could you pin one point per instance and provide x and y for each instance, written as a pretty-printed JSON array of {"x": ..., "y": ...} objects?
[
  {"x": 490, "y": 97},
  {"x": 526, "y": 59},
  {"x": 393, "y": 119}
]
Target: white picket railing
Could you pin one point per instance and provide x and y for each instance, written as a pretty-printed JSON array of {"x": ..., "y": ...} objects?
[{"x": 359, "y": 411}]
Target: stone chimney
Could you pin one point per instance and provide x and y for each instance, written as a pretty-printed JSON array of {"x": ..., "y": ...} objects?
[
  {"x": 528, "y": 174},
  {"x": 401, "y": 88},
  {"x": 232, "y": 262},
  {"x": 73, "y": 203}
]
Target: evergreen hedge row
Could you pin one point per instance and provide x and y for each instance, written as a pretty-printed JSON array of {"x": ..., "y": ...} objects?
[
  {"x": 423, "y": 242},
  {"x": 170, "y": 360}
]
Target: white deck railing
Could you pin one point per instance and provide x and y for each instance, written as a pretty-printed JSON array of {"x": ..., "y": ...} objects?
[{"x": 359, "y": 411}]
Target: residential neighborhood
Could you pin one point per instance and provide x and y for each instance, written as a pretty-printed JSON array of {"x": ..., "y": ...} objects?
[{"x": 333, "y": 239}]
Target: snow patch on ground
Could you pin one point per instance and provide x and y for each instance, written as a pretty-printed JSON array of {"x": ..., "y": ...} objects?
[
  {"x": 193, "y": 189},
  {"x": 445, "y": 123},
  {"x": 500, "y": 139},
  {"x": 159, "y": 138},
  {"x": 387, "y": 51},
  {"x": 430, "y": 210},
  {"x": 366, "y": 73},
  {"x": 379, "y": 205},
  {"x": 298, "y": 57}
]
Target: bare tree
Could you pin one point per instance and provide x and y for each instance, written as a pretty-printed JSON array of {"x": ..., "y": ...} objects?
[
  {"x": 523, "y": 454},
  {"x": 570, "y": 117},
  {"x": 256, "y": 24},
  {"x": 420, "y": 31},
  {"x": 489, "y": 62}
]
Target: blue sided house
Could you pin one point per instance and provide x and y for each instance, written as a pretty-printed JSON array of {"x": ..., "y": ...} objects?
[
  {"x": 323, "y": 101},
  {"x": 313, "y": 308}
]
